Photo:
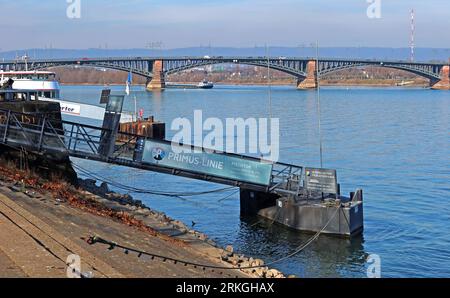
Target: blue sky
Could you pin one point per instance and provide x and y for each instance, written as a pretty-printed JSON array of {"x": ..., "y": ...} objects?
[{"x": 237, "y": 23}]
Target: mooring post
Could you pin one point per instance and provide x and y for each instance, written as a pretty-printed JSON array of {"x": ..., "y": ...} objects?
[{"x": 110, "y": 126}]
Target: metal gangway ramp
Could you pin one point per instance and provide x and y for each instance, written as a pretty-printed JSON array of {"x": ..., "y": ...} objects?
[{"x": 48, "y": 136}]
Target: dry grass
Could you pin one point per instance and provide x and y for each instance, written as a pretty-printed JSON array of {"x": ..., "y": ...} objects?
[{"x": 59, "y": 189}]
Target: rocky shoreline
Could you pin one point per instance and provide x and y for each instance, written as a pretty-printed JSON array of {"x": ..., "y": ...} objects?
[
  {"x": 99, "y": 200},
  {"x": 137, "y": 209},
  {"x": 34, "y": 177}
]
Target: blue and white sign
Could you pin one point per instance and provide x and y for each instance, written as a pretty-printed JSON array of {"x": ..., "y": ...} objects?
[{"x": 213, "y": 164}]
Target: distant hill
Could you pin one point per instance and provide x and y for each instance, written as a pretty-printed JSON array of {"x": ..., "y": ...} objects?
[{"x": 422, "y": 54}]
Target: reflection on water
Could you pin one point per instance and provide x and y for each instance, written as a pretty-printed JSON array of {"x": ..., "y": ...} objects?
[
  {"x": 392, "y": 142},
  {"x": 324, "y": 257}
]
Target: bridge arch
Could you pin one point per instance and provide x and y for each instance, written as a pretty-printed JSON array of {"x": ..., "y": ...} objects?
[
  {"x": 291, "y": 71},
  {"x": 422, "y": 72},
  {"x": 147, "y": 75}
]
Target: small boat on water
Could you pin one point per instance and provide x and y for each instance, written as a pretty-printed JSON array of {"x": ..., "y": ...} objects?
[{"x": 205, "y": 85}]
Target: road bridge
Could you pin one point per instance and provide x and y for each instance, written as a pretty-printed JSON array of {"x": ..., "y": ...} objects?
[{"x": 307, "y": 70}]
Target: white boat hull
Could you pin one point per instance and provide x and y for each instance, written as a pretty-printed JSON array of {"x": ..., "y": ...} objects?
[{"x": 86, "y": 111}]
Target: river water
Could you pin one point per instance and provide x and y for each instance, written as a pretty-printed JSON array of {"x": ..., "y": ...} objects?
[{"x": 392, "y": 142}]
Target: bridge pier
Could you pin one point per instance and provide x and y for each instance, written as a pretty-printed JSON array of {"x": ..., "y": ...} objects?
[
  {"x": 310, "y": 81},
  {"x": 444, "y": 82},
  {"x": 157, "y": 82}
]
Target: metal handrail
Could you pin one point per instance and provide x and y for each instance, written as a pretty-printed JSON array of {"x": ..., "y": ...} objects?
[{"x": 76, "y": 141}]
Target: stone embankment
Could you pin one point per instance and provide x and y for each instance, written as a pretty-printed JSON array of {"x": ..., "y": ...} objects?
[
  {"x": 76, "y": 213},
  {"x": 137, "y": 208}
]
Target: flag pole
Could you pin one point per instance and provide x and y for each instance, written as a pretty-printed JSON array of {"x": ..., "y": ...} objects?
[
  {"x": 135, "y": 108},
  {"x": 127, "y": 91}
]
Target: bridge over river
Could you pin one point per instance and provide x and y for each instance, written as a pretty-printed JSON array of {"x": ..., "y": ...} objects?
[{"x": 307, "y": 70}]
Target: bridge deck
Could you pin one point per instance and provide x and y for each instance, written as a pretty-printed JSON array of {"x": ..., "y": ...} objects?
[{"x": 295, "y": 66}]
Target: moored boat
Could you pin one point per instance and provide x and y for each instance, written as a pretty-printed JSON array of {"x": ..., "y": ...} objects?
[{"x": 44, "y": 82}]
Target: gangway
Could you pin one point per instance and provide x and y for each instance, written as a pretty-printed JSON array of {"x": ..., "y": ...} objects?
[
  {"x": 302, "y": 198},
  {"x": 41, "y": 135}
]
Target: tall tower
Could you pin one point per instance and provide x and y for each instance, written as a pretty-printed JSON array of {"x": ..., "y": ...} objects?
[{"x": 413, "y": 32}]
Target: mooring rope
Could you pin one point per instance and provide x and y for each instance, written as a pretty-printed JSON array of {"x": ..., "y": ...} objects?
[
  {"x": 147, "y": 191},
  {"x": 271, "y": 222},
  {"x": 96, "y": 239}
]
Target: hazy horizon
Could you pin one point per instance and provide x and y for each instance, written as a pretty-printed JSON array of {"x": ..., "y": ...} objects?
[
  {"x": 175, "y": 24},
  {"x": 220, "y": 47}
]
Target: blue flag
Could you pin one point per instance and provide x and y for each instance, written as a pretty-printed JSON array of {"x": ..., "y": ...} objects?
[
  {"x": 129, "y": 81},
  {"x": 130, "y": 78}
]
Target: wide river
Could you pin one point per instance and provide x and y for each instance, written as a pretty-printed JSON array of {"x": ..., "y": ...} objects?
[{"x": 392, "y": 142}]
